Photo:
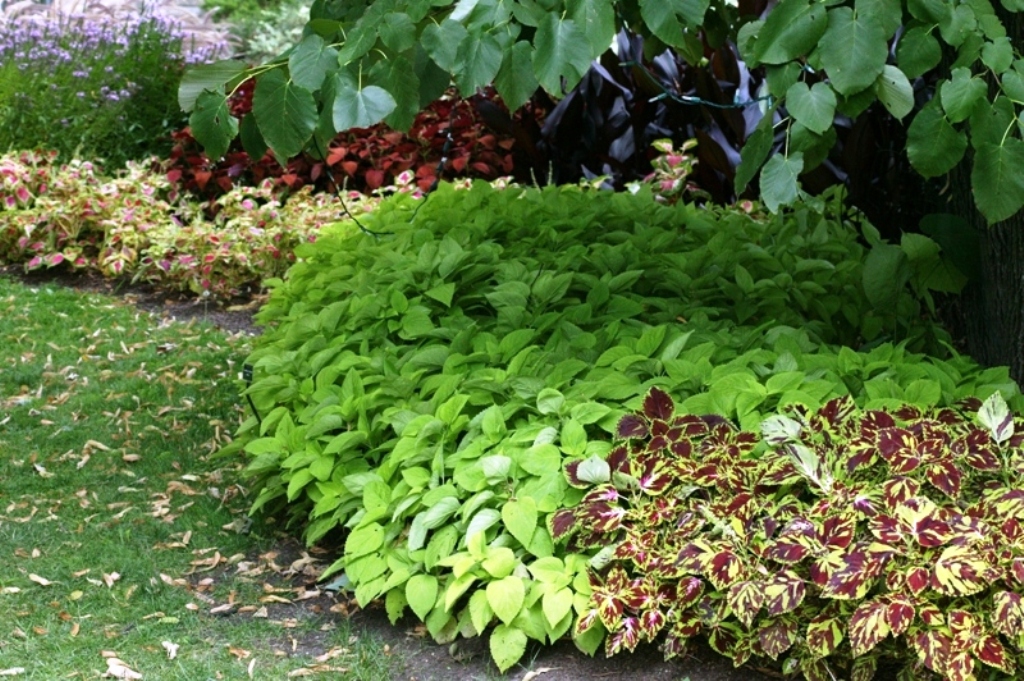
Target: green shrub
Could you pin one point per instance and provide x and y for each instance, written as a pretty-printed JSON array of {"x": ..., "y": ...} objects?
[
  {"x": 92, "y": 87},
  {"x": 425, "y": 390},
  {"x": 136, "y": 225},
  {"x": 810, "y": 547}
]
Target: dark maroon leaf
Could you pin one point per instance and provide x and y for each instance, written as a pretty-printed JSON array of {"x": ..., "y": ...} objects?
[
  {"x": 692, "y": 426},
  {"x": 990, "y": 651},
  {"x": 632, "y": 426},
  {"x": 562, "y": 523},
  {"x": 897, "y": 490},
  {"x": 618, "y": 460},
  {"x": 918, "y": 579},
  {"x": 658, "y": 405},
  {"x": 933, "y": 648},
  {"x": 651, "y": 623},
  {"x": 777, "y": 635},
  {"x": 900, "y": 615}
]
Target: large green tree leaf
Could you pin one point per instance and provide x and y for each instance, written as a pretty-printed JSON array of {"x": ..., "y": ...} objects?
[
  {"x": 997, "y": 179},
  {"x": 754, "y": 152},
  {"x": 895, "y": 92},
  {"x": 212, "y": 123},
  {"x": 397, "y": 75},
  {"x": 441, "y": 41},
  {"x": 918, "y": 52},
  {"x": 206, "y": 77},
  {"x": 853, "y": 50},
  {"x": 356, "y": 107},
  {"x": 663, "y": 17},
  {"x": 398, "y": 31},
  {"x": 814, "y": 107},
  {"x": 515, "y": 81},
  {"x": 477, "y": 62},
  {"x": 311, "y": 61},
  {"x": 285, "y": 113},
  {"x": 791, "y": 30},
  {"x": 562, "y": 51},
  {"x": 779, "y": 185},
  {"x": 596, "y": 18},
  {"x": 934, "y": 146},
  {"x": 961, "y": 94},
  {"x": 886, "y": 272}
]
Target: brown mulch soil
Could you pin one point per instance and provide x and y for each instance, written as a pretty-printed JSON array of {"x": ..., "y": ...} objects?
[{"x": 416, "y": 656}]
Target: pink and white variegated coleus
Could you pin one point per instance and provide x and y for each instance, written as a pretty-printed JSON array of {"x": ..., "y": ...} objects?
[{"x": 833, "y": 542}]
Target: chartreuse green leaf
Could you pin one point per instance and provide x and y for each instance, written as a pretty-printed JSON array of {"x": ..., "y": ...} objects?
[
  {"x": 791, "y": 30},
  {"x": 562, "y": 52},
  {"x": 557, "y": 603},
  {"x": 311, "y": 61},
  {"x": 895, "y": 92},
  {"x": 506, "y": 597},
  {"x": 515, "y": 81},
  {"x": 359, "y": 107},
  {"x": 507, "y": 646},
  {"x": 853, "y": 50},
  {"x": 212, "y": 123},
  {"x": 997, "y": 179},
  {"x": 364, "y": 540},
  {"x": 213, "y": 77},
  {"x": 960, "y": 94},
  {"x": 520, "y": 518},
  {"x": 779, "y": 185},
  {"x": 814, "y": 107},
  {"x": 285, "y": 113},
  {"x": 421, "y": 593},
  {"x": 480, "y": 611},
  {"x": 933, "y": 145}
]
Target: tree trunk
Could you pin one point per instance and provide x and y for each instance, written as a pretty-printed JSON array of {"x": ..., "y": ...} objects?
[{"x": 992, "y": 306}]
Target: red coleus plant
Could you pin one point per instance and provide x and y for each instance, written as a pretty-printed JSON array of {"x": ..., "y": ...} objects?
[
  {"x": 831, "y": 542},
  {"x": 361, "y": 159}
]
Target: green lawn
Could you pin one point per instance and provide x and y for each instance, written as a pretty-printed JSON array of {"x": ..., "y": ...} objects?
[{"x": 120, "y": 536}]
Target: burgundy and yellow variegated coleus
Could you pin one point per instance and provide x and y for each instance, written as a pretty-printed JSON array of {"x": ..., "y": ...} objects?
[{"x": 831, "y": 542}]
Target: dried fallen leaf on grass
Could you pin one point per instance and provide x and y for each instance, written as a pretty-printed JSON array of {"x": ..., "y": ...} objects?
[
  {"x": 171, "y": 648},
  {"x": 13, "y": 671},
  {"x": 529, "y": 676},
  {"x": 110, "y": 579},
  {"x": 41, "y": 581},
  {"x": 119, "y": 670}
]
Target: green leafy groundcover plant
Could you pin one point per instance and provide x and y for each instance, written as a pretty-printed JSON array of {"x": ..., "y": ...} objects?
[
  {"x": 812, "y": 541},
  {"x": 425, "y": 391}
]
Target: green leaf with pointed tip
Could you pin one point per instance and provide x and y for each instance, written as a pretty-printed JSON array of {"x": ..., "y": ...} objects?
[
  {"x": 359, "y": 108},
  {"x": 853, "y": 50},
  {"x": 997, "y": 180},
  {"x": 515, "y": 81},
  {"x": 562, "y": 51},
  {"x": 779, "y": 185},
  {"x": 477, "y": 62},
  {"x": 813, "y": 146},
  {"x": 285, "y": 113},
  {"x": 791, "y": 30},
  {"x": 886, "y": 272},
  {"x": 663, "y": 18},
  {"x": 888, "y": 14},
  {"x": 507, "y": 646},
  {"x": 596, "y": 18},
  {"x": 1013, "y": 85},
  {"x": 358, "y": 42},
  {"x": 997, "y": 55},
  {"x": 918, "y": 52},
  {"x": 480, "y": 611},
  {"x": 198, "y": 79},
  {"x": 814, "y": 107},
  {"x": 398, "y": 75},
  {"x": 933, "y": 145},
  {"x": 397, "y": 31},
  {"x": 754, "y": 153},
  {"x": 960, "y": 94},
  {"x": 520, "y": 518},
  {"x": 311, "y": 61},
  {"x": 989, "y": 122},
  {"x": 441, "y": 41},
  {"x": 252, "y": 140},
  {"x": 421, "y": 592},
  {"x": 506, "y": 597},
  {"x": 895, "y": 92},
  {"x": 212, "y": 124}
]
